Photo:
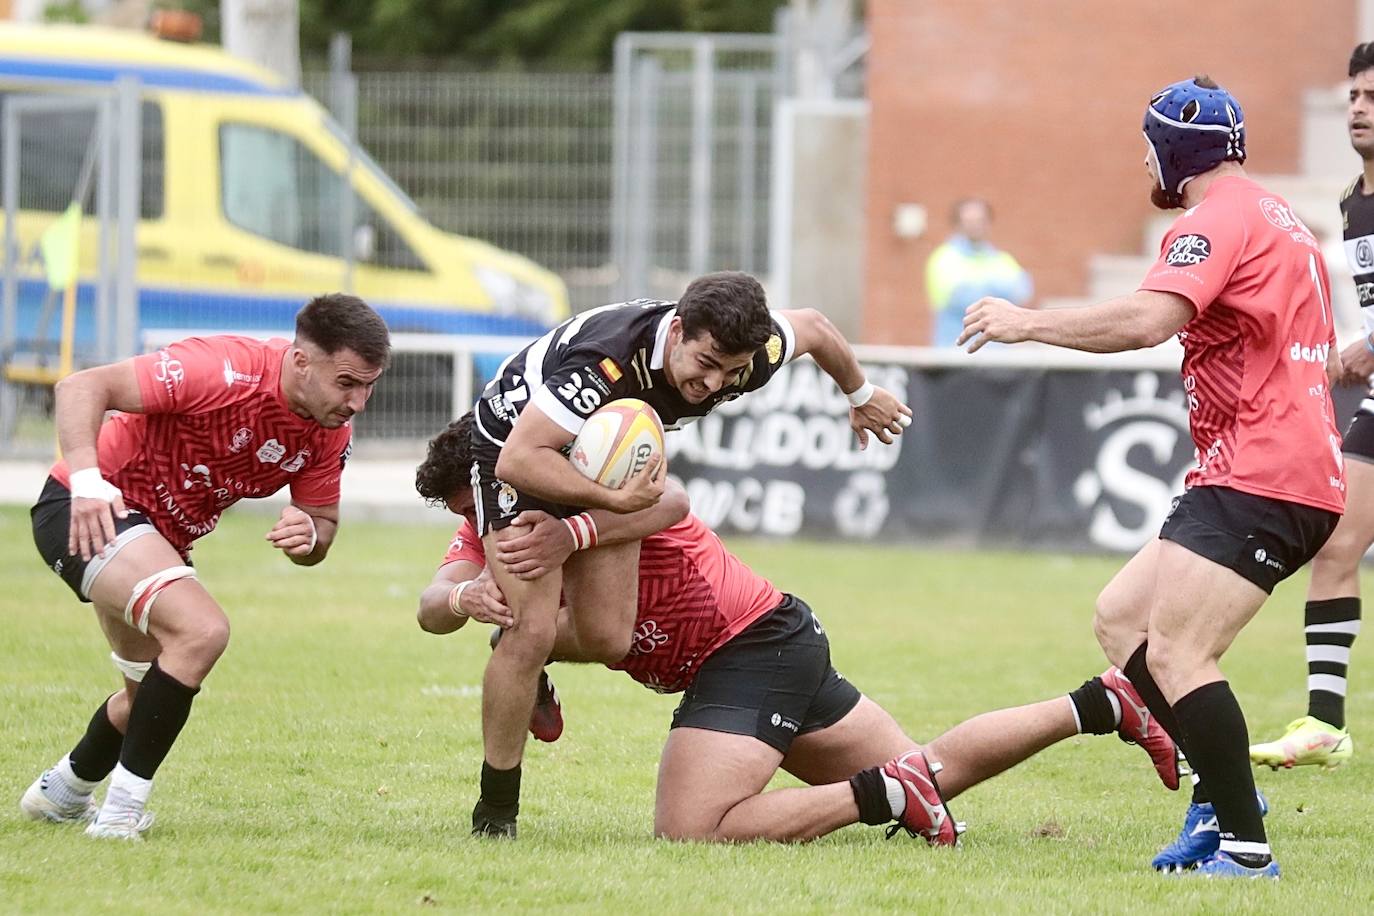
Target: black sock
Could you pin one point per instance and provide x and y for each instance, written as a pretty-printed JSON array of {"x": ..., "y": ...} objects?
[
  {"x": 1330, "y": 627},
  {"x": 870, "y": 794},
  {"x": 96, "y": 754},
  {"x": 1138, "y": 673},
  {"x": 160, "y": 710},
  {"x": 1095, "y": 716},
  {"x": 1219, "y": 750},
  {"x": 501, "y": 788}
]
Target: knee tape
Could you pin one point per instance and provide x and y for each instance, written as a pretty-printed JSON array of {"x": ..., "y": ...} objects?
[
  {"x": 134, "y": 671},
  {"x": 140, "y": 606}
]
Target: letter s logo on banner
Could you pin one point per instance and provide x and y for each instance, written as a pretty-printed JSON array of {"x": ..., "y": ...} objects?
[{"x": 1115, "y": 486}]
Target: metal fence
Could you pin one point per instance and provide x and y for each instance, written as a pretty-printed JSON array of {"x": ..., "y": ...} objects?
[
  {"x": 522, "y": 161},
  {"x": 626, "y": 184}
]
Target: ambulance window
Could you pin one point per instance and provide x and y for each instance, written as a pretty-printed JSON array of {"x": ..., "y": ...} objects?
[
  {"x": 380, "y": 245},
  {"x": 273, "y": 186},
  {"x": 54, "y": 145}
]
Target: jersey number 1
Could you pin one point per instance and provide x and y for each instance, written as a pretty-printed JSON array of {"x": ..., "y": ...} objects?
[{"x": 1317, "y": 282}]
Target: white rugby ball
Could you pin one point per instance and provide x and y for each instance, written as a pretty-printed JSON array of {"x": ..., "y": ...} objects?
[{"x": 617, "y": 441}]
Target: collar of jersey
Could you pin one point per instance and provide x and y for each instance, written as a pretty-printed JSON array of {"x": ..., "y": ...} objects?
[{"x": 661, "y": 338}]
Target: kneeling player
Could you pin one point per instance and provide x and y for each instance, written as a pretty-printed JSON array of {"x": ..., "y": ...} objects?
[{"x": 760, "y": 691}]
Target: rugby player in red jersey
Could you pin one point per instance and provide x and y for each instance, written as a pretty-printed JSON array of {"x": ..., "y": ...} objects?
[
  {"x": 759, "y": 689},
  {"x": 1242, "y": 283},
  {"x": 202, "y": 423}
]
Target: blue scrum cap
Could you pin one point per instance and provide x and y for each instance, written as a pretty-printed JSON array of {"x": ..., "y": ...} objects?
[{"x": 1192, "y": 130}]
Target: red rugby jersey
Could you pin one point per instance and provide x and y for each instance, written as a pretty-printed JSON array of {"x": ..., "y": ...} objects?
[
  {"x": 694, "y": 597},
  {"x": 1254, "y": 364},
  {"x": 215, "y": 429}
]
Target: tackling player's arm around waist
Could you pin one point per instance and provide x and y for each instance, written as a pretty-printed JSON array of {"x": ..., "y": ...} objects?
[{"x": 463, "y": 588}]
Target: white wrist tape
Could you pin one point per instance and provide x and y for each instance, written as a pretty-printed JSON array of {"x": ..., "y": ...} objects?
[
  {"x": 583, "y": 530},
  {"x": 861, "y": 395},
  {"x": 88, "y": 484},
  {"x": 314, "y": 533},
  {"x": 455, "y": 598}
]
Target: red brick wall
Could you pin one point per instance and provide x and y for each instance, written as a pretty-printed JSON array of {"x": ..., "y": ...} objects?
[{"x": 1037, "y": 104}]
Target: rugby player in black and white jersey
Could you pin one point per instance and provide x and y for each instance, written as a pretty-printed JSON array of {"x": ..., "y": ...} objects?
[
  {"x": 1332, "y": 615},
  {"x": 717, "y": 342}
]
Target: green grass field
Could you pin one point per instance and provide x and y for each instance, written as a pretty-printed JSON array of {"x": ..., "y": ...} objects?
[{"x": 331, "y": 761}]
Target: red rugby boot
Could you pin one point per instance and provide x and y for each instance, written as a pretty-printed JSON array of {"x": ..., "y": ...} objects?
[
  {"x": 1138, "y": 726},
  {"x": 926, "y": 814}
]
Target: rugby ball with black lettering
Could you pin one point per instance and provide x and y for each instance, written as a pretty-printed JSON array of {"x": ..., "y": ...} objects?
[{"x": 617, "y": 441}]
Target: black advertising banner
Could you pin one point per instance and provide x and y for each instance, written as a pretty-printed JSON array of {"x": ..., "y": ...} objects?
[{"x": 1067, "y": 458}]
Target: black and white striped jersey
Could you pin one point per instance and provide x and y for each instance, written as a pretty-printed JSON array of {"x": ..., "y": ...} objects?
[
  {"x": 1357, "y": 216},
  {"x": 615, "y": 351}
]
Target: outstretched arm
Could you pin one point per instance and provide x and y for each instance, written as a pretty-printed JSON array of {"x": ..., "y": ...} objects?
[
  {"x": 1140, "y": 319},
  {"x": 872, "y": 409}
]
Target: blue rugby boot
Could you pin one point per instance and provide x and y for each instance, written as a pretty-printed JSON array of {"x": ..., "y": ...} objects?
[
  {"x": 1222, "y": 865},
  {"x": 1199, "y": 839}
]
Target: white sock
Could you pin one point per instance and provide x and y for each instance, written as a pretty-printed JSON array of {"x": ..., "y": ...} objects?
[
  {"x": 896, "y": 795},
  {"x": 1116, "y": 708},
  {"x": 1249, "y": 849},
  {"x": 66, "y": 788},
  {"x": 127, "y": 790}
]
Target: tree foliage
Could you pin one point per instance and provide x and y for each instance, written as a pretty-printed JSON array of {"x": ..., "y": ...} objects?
[{"x": 515, "y": 34}]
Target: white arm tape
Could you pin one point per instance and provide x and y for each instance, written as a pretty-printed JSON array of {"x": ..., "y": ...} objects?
[
  {"x": 861, "y": 395},
  {"x": 88, "y": 484},
  {"x": 455, "y": 598},
  {"x": 314, "y": 533}
]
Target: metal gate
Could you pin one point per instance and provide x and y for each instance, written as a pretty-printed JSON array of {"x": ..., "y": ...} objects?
[
  {"x": 71, "y": 203},
  {"x": 693, "y": 116}
]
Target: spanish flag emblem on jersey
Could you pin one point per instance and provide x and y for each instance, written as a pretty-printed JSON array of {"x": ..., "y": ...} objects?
[{"x": 610, "y": 370}]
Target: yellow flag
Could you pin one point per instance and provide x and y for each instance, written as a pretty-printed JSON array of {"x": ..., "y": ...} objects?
[{"x": 59, "y": 246}]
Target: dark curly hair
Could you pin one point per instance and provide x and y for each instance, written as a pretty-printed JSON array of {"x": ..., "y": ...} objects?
[
  {"x": 448, "y": 463},
  {"x": 731, "y": 307}
]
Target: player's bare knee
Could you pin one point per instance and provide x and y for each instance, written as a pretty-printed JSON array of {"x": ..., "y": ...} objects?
[
  {"x": 528, "y": 644},
  {"x": 1112, "y": 627},
  {"x": 1173, "y": 662},
  {"x": 1340, "y": 556},
  {"x": 203, "y": 640}
]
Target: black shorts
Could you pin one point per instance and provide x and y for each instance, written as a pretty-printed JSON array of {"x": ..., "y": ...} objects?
[
  {"x": 773, "y": 682},
  {"x": 1263, "y": 540},
  {"x": 51, "y": 517},
  {"x": 498, "y": 503},
  {"x": 1359, "y": 437}
]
